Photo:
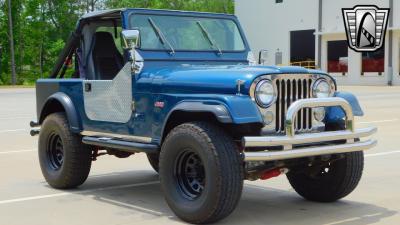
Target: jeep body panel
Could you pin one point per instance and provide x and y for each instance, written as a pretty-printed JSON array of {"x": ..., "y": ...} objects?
[
  {"x": 64, "y": 92},
  {"x": 190, "y": 81},
  {"x": 335, "y": 114},
  {"x": 173, "y": 87},
  {"x": 207, "y": 118}
]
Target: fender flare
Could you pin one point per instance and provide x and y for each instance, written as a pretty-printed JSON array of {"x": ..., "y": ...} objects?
[
  {"x": 335, "y": 114},
  {"x": 219, "y": 110},
  {"x": 69, "y": 107}
]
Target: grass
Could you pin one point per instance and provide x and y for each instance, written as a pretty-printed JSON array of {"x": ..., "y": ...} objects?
[
  {"x": 18, "y": 86},
  {"x": 21, "y": 84}
]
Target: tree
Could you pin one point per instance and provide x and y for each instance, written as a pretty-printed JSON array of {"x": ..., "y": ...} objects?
[
  {"x": 11, "y": 38},
  {"x": 221, "y": 6},
  {"x": 39, "y": 29}
]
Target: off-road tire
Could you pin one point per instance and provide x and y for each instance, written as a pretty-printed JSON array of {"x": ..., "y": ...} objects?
[
  {"x": 340, "y": 180},
  {"x": 75, "y": 166},
  {"x": 223, "y": 172},
  {"x": 154, "y": 159}
]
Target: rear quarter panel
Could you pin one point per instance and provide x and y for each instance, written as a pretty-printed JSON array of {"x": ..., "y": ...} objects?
[{"x": 47, "y": 87}]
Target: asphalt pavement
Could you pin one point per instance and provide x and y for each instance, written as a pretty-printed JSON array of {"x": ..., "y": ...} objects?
[{"x": 127, "y": 191}]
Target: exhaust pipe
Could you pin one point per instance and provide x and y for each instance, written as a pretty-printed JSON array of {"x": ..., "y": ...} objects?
[
  {"x": 34, "y": 132},
  {"x": 34, "y": 124}
]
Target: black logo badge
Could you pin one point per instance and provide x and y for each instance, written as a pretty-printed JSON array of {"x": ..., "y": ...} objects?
[{"x": 365, "y": 27}]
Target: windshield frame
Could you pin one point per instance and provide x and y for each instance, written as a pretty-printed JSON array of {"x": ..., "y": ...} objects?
[{"x": 192, "y": 15}]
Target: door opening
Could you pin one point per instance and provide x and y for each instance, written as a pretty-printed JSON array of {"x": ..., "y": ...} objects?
[{"x": 302, "y": 48}]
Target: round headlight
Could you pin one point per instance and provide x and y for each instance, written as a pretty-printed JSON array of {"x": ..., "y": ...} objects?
[
  {"x": 265, "y": 94},
  {"x": 322, "y": 89}
]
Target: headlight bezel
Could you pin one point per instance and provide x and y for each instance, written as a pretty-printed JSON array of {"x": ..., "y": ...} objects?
[
  {"x": 319, "y": 82},
  {"x": 257, "y": 90}
]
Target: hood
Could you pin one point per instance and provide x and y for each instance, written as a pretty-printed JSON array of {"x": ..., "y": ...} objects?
[{"x": 211, "y": 79}]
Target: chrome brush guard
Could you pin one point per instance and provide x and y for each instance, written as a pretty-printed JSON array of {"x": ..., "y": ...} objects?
[{"x": 288, "y": 141}]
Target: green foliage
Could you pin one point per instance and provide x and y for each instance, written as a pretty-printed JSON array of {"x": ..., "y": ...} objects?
[
  {"x": 221, "y": 6},
  {"x": 41, "y": 28}
]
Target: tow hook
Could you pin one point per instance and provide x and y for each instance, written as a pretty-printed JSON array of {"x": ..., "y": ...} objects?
[{"x": 273, "y": 173}]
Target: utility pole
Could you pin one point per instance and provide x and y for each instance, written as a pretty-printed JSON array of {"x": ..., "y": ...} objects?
[
  {"x": 1, "y": 51},
  {"x": 13, "y": 73},
  {"x": 390, "y": 44}
]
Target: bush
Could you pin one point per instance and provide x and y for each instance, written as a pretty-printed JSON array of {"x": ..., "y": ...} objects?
[{"x": 5, "y": 79}]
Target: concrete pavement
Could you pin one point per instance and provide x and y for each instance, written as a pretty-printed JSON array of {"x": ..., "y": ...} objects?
[{"x": 127, "y": 191}]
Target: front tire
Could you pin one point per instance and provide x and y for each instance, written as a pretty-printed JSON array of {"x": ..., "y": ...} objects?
[
  {"x": 201, "y": 172},
  {"x": 64, "y": 160},
  {"x": 330, "y": 182}
]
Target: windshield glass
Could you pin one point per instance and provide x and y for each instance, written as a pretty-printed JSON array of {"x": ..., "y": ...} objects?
[{"x": 184, "y": 33}]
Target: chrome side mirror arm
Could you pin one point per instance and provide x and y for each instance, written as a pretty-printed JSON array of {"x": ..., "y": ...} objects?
[{"x": 130, "y": 41}]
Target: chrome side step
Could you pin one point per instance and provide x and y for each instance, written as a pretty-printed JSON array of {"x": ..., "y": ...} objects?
[{"x": 122, "y": 145}]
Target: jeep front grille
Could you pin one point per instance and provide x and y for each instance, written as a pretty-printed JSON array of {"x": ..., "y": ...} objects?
[{"x": 290, "y": 90}]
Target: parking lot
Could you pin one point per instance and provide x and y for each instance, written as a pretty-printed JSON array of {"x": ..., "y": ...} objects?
[{"x": 127, "y": 191}]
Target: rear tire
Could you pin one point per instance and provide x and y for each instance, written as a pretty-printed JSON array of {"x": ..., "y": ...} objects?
[
  {"x": 64, "y": 160},
  {"x": 201, "y": 172},
  {"x": 331, "y": 182},
  {"x": 154, "y": 159}
]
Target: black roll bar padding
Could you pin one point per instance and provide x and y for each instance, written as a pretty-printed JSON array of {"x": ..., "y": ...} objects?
[
  {"x": 115, "y": 29},
  {"x": 66, "y": 53},
  {"x": 76, "y": 61}
]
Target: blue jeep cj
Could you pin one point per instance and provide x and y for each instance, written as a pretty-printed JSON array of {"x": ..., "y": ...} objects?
[{"x": 183, "y": 87}]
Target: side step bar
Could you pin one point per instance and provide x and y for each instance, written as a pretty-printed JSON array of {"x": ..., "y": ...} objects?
[{"x": 127, "y": 146}]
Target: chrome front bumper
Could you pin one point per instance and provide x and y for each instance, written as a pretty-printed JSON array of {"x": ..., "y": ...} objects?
[{"x": 289, "y": 142}]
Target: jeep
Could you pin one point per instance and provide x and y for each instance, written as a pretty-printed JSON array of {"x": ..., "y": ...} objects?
[{"x": 184, "y": 88}]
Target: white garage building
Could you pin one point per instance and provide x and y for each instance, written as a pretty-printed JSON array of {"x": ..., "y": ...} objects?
[{"x": 312, "y": 33}]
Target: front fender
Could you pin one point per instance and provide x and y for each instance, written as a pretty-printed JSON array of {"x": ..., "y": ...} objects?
[
  {"x": 241, "y": 108},
  {"x": 335, "y": 114},
  {"x": 233, "y": 109},
  {"x": 237, "y": 109}
]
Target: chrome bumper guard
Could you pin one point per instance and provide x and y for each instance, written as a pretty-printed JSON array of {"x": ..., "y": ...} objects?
[{"x": 350, "y": 134}]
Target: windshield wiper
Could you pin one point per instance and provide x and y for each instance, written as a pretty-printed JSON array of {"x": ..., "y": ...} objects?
[
  {"x": 161, "y": 36},
  {"x": 209, "y": 38}
]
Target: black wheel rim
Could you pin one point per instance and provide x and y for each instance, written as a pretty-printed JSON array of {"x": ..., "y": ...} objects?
[
  {"x": 190, "y": 174},
  {"x": 55, "y": 151},
  {"x": 323, "y": 172}
]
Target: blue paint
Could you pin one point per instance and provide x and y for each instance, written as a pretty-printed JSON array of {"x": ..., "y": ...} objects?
[
  {"x": 197, "y": 76},
  {"x": 336, "y": 114}
]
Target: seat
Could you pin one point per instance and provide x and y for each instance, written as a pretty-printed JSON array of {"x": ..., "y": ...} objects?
[{"x": 107, "y": 60}]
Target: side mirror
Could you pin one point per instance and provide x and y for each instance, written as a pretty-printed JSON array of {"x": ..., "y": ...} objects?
[
  {"x": 130, "y": 41},
  {"x": 130, "y": 38},
  {"x": 263, "y": 57}
]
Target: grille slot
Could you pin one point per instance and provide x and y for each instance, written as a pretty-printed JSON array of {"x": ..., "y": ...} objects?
[{"x": 290, "y": 90}]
